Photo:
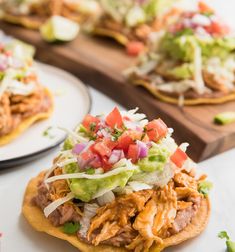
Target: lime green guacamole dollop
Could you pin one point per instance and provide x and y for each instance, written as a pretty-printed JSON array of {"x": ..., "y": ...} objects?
[
  {"x": 156, "y": 159},
  {"x": 86, "y": 189}
]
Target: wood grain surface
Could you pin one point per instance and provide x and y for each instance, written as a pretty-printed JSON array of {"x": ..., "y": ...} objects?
[{"x": 100, "y": 63}]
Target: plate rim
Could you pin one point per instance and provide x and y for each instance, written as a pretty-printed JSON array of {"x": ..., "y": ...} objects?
[{"x": 8, "y": 163}]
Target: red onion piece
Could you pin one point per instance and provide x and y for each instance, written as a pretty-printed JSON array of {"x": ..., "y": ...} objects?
[
  {"x": 115, "y": 156},
  {"x": 143, "y": 149},
  {"x": 3, "y": 64},
  {"x": 78, "y": 148},
  {"x": 85, "y": 163}
]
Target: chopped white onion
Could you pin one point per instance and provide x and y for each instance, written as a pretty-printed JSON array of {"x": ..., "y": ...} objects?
[
  {"x": 201, "y": 20},
  {"x": 106, "y": 198},
  {"x": 116, "y": 155},
  {"x": 88, "y": 213}
]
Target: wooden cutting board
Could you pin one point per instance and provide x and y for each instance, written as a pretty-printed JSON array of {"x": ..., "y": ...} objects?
[{"x": 100, "y": 62}]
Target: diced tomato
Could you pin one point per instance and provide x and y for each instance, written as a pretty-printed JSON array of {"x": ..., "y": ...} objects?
[
  {"x": 156, "y": 130},
  {"x": 204, "y": 8},
  {"x": 134, "y": 134},
  {"x": 8, "y": 53},
  {"x": 219, "y": 28},
  {"x": 102, "y": 149},
  {"x": 133, "y": 153},
  {"x": 86, "y": 156},
  {"x": 109, "y": 143},
  {"x": 124, "y": 141},
  {"x": 89, "y": 120},
  {"x": 114, "y": 119},
  {"x": 179, "y": 157},
  {"x": 134, "y": 48},
  {"x": 145, "y": 138},
  {"x": 176, "y": 27},
  {"x": 105, "y": 164}
]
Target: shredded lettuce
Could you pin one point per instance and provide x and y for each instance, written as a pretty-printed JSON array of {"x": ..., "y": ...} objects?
[{"x": 204, "y": 187}]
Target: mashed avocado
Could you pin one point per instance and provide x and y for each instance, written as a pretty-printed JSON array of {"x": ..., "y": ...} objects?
[
  {"x": 156, "y": 160},
  {"x": 86, "y": 189},
  {"x": 184, "y": 71},
  {"x": 68, "y": 144}
]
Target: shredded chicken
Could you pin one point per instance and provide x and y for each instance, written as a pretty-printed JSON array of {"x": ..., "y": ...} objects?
[
  {"x": 183, "y": 179},
  {"x": 15, "y": 108},
  {"x": 152, "y": 214},
  {"x": 135, "y": 221},
  {"x": 46, "y": 8},
  {"x": 6, "y": 120},
  {"x": 216, "y": 81},
  {"x": 120, "y": 211},
  {"x": 181, "y": 205}
]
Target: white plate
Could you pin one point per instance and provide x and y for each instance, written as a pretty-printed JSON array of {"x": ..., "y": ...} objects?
[{"x": 71, "y": 102}]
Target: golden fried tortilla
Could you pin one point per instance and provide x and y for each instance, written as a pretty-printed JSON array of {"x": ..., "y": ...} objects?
[
  {"x": 25, "y": 124},
  {"x": 218, "y": 98},
  {"x": 30, "y": 22},
  {"x": 37, "y": 220},
  {"x": 119, "y": 37}
]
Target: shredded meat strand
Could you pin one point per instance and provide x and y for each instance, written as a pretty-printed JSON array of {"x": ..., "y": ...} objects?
[{"x": 16, "y": 108}]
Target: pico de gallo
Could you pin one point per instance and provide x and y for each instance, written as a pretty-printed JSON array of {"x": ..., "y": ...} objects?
[{"x": 110, "y": 152}]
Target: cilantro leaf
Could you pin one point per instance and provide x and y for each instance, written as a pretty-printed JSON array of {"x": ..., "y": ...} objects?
[
  {"x": 48, "y": 133},
  {"x": 230, "y": 244},
  {"x": 92, "y": 126},
  {"x": 116, "y": 134},
  {"x": 223, "y": 234},
  {"x": 71, "y": 227}
]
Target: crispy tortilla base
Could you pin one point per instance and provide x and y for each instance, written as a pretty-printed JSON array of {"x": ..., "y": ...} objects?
[
  {"x": 119, "y": 37},
  {"x": 24, "y": 20},
  {"x": 187, "y": 101},
  {"x": 37, "y": 220},
  {"x": 25, "y": 124}
]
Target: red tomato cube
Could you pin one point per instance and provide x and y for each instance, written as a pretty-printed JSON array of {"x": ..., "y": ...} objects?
[
  {"x": 133, "y": 153},
  {"x": 179, "y": 157},
  {"x": 89, "y": 120},
  {"x": 156, "y": 130},
  {"x": 114, "y": 119}
]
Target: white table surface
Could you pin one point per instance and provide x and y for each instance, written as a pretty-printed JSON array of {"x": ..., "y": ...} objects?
[{"x": 19, "y": 236}]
